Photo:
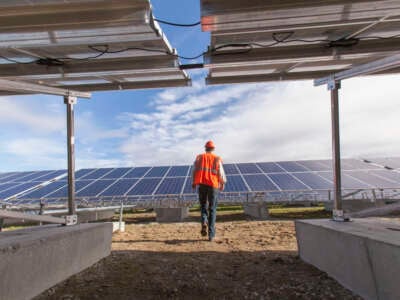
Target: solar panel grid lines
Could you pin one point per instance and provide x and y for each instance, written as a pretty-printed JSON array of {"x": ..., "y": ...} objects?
[
  {"x": 120, "y": 187},
  {"x": 137, "y": 172},
  {"x": 247, "y": 186},
  {"x": 291, "y": 166},
  {"x": 83, "y": 172},
  {"x": 268, "y": 178},
  {"x": 368, "y": 178},
  {"x": 387, "y": 174},
  {"x": 314, "y": 181},
  {"x": 236, "y": 183},
  {"x": 170, "y": 186},
  {"x": 97, "y": 174},
  {"x": 95, "y": 188},
  {"x": 161, "y": 171},
  {"x": 117, "y": 173},
  {"x": 259, "y": 183},
  {"x": 248, "y": 168},
  {"x": 145, "y": 186},
  {"x": 269, "y": 167},
  {"x": 43, "y": 191},
  {"x": 188, "y": 177},
  {"x": 230, "y": 169},
  {"x": 16, "y": 190}
]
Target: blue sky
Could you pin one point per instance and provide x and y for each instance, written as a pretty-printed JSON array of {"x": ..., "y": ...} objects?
[{"x": 248, "y": 122}]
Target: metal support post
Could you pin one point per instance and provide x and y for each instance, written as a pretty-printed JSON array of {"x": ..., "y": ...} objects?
[
  {"x": 338, "y": 214},
  {"x": 70, "y": 101},
  {"x": 121, "y": 212}
]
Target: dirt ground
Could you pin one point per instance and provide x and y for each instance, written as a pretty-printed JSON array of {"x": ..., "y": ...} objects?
[{"x": 248, "y": 260}]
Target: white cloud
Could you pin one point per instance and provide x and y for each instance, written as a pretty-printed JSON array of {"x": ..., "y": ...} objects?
[
  {"x": 36, "y": 116},
  {"x": 267, "y": 122}
]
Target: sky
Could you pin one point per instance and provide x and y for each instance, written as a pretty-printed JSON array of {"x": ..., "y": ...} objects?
[{"x": 247, "y": 122}]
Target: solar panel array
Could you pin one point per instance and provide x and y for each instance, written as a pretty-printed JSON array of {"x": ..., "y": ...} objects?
[
  {"x": 160, "y": 182},
  {"x": 14, "y": 183}
]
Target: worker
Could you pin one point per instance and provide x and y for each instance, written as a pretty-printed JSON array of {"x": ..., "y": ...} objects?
[{"x": 208, "y": 174}]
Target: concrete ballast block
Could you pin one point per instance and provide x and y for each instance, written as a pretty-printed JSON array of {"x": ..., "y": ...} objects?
[
  {"x": 35, "y": 259},
  {"x": 171, "y": 214},
  {"x": 363, "y": 255},
  {"x": 258, "y": 210}
]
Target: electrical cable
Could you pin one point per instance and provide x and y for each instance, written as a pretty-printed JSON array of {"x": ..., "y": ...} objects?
[
  {"x": 177, "y": 24},
  {"x": 278, "y": 38}
]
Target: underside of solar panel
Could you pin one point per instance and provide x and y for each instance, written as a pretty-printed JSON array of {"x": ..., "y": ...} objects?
[
  {"x": 258, "y": 41},
  {"x": 87, "y": 45}
]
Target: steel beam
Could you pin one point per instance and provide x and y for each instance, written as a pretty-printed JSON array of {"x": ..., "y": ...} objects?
[
  {"x": 380, "y": 65},
  {"x": 6, "y": 214},
  {"x": 70, "y": 101},
  {"x": 30, "y": 88}
]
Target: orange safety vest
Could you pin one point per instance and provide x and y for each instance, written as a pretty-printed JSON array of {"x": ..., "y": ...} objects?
[{"x": 206, "y": 170}]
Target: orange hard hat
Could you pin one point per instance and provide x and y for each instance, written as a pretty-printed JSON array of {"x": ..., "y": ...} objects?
[{"x": 210, "y": 145}]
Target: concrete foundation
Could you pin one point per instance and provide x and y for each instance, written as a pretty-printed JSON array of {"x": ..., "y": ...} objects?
[
  {"x": 362, "y": 255},
  {"x": 258, "y": 210},
  {"x": 35, "y": 259},
  {"x": 350, "y": 206},
  {"x": 171, "y": 214},
  {"x": 118, "y": 226}
]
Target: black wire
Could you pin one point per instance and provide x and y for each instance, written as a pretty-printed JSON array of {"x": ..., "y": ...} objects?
[
  {"x": 177, "y": 24},
  {"x": 107, "y": 51}
]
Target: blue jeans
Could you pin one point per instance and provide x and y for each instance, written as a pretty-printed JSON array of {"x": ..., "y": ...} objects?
[{"x": 210, "y": 195}]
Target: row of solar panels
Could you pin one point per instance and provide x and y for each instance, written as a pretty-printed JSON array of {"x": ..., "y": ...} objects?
[{"x": 175, "y": 180}]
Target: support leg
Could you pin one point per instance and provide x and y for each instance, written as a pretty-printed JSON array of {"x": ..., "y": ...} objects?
[
  {"x": 338, "y": 215},
  {"x": 70, "y": 101}
]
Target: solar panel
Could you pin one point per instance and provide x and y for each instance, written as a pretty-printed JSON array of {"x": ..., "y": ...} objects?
[
  {"x": 388, "y": 174},
  {"x": 145, "y": 186},
  {"x": 260, "y": 41},
  {"x": 260, "y": 183},
  {"x": 176, "y": 171},
  {"x": 348, "y": 182},
  {"x": 98, "y": 45},
  {"x": 96, "y": 174},
  {"x": 119, "y": 188},
  {"x": 248, "y": 168},
  {"x": 315, "y": 165},
  {"x": 137, "y": 172},
  {"x": 230, "y": 169},
  {"x": 63, "y": 192},
  {"x": 270, "y": 167},
  {"x": 287, "y": 182},
  {"x": 157, "y": 172},
  {"x": 83, "y": 172},
  {"x": 170, "y": 186},
  {"x": 94, "y": 188},
  {"x": 17, "y": 189},
  {"x": 116, "y": 173},
  {"x": 291, "y": 166},
  {"x": 314, "y": 181},
  {"x": 373, "y": 180},
  {"x": 235, "y": 183},
  {"x": 45, "y": 190}
]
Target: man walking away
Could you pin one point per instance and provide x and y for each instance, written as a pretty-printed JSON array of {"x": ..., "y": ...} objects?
[{"x": 209, "y": 175}]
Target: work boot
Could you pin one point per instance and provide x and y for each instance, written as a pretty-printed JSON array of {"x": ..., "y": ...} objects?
[{"x": 204, "y": 229}]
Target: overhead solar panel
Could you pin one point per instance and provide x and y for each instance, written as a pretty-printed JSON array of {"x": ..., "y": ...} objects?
[
  {"x": 86, "y": 45},
  {"x": 119, "y": 188},
  {"x": 258, "y": 41}
]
